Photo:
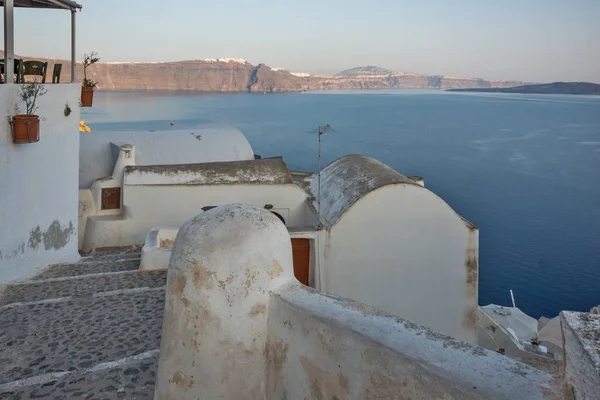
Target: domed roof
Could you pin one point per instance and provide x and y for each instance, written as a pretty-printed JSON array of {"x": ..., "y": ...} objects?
[{"x": 347, "y": 179}]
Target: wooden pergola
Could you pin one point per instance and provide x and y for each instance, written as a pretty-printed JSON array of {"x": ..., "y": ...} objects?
[{"x": 9, "y": 27}]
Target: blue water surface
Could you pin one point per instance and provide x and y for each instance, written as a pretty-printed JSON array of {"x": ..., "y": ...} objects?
[{"x": 523, "y": 168}]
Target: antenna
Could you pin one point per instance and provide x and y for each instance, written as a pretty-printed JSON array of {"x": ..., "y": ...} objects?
[{"x": 322, "y": 130}]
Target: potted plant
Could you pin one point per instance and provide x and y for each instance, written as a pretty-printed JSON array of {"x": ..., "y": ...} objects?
[
  {"x": 26, "y": 127},
  {"x": 88, "y": 85}
]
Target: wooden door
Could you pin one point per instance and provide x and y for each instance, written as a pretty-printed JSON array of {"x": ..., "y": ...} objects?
[{"x": 301, "y": 253}]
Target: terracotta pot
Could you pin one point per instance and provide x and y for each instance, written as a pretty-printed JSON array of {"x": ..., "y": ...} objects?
[
  {"x": 26, "y": 128},
  {"x": 87, "y": 96}
]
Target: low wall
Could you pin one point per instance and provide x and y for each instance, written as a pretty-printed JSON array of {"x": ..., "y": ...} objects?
[
  {"x": 582, "y": 353},
  {"x": 237, "y": 324},
  {"x": 330, "y": 347}
]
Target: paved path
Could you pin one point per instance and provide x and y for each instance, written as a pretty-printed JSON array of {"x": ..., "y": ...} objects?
[{"x": 89, "y": 330}]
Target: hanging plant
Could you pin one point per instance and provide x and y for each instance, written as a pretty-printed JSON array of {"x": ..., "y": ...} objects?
[{"x": 26, "y": 127}]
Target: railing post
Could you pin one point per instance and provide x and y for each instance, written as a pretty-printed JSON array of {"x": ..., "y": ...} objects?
[
  {"x": 9, "y": 43},
  {"x": 73, "y": 36}
]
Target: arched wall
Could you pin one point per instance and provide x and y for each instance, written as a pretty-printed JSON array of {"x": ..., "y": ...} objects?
[{"x": 401, "y": 248}]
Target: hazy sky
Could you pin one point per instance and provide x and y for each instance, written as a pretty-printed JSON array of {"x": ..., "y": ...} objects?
[{"x": 535, "y": 40}]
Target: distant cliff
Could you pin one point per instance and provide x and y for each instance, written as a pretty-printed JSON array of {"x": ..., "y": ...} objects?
[
  {"x": 399, "y": 80},
  {"x": 546, "y": 88},
  {"x": 201, "y": 75},
  {"x": 236, "y": 75}
]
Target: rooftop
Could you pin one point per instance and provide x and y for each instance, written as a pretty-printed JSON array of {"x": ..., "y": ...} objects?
[
  {"x": 347, "y": 179},
  {"x": 264, "y": 171}
]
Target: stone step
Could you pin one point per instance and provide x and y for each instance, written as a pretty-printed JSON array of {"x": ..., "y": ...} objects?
[
  {"x": 133, "y": 379},
  {"x": 89, "y": 267},
  {"x": 115, "y": 252},
  {"x": 111, "y": 256},
  {"x": 77, "y": 335},
  {"x": 79, "y": 286}
]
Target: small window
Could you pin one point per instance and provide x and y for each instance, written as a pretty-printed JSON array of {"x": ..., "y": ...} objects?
[
  {"x": 111, "y": 199},
  {"x": 279, "y": 216}
]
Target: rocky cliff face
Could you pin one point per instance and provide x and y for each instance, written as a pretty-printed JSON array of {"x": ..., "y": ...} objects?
[
  {"x": 204, "y": 76},
  {"x": 235, "y": 75},
  {"x": 399, "y": 81}
]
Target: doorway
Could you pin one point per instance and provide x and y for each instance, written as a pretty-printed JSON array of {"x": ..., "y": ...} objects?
[{"x": 301, "y": 257}]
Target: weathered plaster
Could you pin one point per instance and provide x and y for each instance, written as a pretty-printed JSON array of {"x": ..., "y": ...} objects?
[
  {"x": 264, "y": 171},
  {"x": 55, "y": 237},
  {"x": 224, "y": 264},
  {"x": 38, "y": 186}
]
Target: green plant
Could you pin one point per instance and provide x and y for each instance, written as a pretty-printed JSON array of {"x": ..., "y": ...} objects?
[
  {"x": 29, "y": 93},
  {"x": 89, "y": 60}
]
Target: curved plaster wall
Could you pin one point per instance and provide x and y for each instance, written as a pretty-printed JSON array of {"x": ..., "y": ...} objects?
[{"x": 402, "y": 249}]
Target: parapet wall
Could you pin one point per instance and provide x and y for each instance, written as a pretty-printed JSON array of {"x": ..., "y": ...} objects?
[
  {"x": 330, "y": 347},
  {"x": 582, "y": 353},
  {"x": 237, "y": 324}
]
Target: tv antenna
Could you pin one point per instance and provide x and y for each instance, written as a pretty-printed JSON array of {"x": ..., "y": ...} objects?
[{"x": 322, "y": 130}]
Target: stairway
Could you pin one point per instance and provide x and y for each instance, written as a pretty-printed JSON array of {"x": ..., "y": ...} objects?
[{"x": 89, "y": 330}]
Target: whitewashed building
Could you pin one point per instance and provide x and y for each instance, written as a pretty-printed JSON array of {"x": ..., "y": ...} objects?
[
  {"x": 394, "y": 244},
  {"x": 379, "y": 237}
]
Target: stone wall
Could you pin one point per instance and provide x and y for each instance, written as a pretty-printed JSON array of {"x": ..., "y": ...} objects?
[{"x": 582, "y": 353}]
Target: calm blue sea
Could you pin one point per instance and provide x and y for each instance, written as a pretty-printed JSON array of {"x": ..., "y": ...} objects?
[{"x": 524, "y": 168}]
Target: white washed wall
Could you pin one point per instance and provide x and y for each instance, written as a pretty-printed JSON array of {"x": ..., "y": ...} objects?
[
  {"x": 147, "y": 206},
  {"x": 38, "y": 185},
  {"x": 404, "y": 250}
]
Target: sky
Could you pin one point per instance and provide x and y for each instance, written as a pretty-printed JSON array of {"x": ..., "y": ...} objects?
[{"x": 529, "y": 40}]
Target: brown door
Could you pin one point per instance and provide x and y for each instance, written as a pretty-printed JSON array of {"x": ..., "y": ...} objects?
[{"x": 301, "y": 252}]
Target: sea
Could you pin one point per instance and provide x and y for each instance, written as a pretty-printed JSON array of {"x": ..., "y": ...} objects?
[{"x": 524, "y": 168}]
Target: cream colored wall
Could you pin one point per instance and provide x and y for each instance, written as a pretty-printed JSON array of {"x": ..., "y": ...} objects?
[
  {"x": 38, "y": 184},
  {"x": 404, "y": 250},
  {"x": 147, "y": 206}
]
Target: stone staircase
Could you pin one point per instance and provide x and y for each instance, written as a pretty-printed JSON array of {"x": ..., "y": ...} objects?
[{"x": 89, "y": 330}]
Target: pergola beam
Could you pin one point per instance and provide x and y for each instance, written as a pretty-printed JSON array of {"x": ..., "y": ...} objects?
[
  {"x": 73, "y": 56},
  {"x": 9, "y": 30},
  {"x": 61, "y": 4}
]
